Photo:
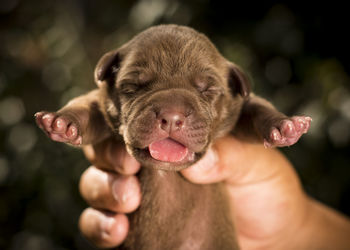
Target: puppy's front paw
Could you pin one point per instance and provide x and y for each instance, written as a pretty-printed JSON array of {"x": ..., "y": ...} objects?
[
  {"x": 288, "y": 132},
  {"x": 58, "y": 127}
]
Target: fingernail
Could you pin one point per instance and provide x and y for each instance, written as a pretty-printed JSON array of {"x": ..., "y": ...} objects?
[
  {"x": 121, "y": 160},
  {"x": 209, "y": 160},
  {"x": 122, "y": 190},
  {"x": 107, "y": 224},
  {"x": 130, "y": 165},
  {"x": 131, "y": 161},
  {"x": 116, "y": 186}
]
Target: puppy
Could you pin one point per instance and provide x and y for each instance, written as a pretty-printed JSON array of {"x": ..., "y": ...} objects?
[{"x": 169, "y": 94}]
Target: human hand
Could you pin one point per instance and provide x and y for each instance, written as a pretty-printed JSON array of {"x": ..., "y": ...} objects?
[
  {"x": 271, "y": 210},
  {"x": 112, "y": 190}
]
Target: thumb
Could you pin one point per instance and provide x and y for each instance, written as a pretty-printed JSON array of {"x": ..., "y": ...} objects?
[{"x": 206, "y": 170}]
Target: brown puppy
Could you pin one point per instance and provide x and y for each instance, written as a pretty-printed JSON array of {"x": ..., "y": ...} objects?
[{"x": 169, "y": 93}]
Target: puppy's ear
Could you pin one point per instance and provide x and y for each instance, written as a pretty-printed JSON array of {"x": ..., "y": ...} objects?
[
  {"x": 107, "y": 67},
  {"x": 238, "y": 81}
]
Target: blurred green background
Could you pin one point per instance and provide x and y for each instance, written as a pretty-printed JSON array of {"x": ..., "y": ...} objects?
[{"x": 298, "y": 56}]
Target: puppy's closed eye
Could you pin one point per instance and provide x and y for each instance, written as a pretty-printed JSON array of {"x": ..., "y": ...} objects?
[
  {"x": 212, "y": 91},
  {"x": 129, "y": 88},
  {"x": 208, "y": 88}
]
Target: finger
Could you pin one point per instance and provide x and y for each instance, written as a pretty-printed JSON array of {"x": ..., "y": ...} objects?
[
  {"x": 219, "y": 163},
  {"x": 103, "y": 229},
  {"x": 112, "y": 155},
  {"x": 106, "y": 190},
  {"x": 237, "y": 162},
  {"x": 207, "y": 170}
]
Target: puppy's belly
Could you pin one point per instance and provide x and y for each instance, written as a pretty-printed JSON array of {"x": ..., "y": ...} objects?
[{"x": 176, "y": 214}]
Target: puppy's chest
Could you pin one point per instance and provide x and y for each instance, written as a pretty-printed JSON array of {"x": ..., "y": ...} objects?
[{"x": 174, "y": 213}]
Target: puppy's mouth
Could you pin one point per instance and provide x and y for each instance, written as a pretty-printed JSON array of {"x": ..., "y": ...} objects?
[
  {"x": 169, "y": 150},
  {"x": 167, "y": 154}
]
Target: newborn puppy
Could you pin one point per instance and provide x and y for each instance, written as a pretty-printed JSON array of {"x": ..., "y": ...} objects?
[{"x": 169, "y": 94}]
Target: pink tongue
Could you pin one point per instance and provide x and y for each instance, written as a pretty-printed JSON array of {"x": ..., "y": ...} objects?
[{"x": 168, "y": 150}]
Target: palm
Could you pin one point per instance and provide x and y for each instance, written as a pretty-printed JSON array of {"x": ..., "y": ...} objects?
[{"x": 266, "y": 200}]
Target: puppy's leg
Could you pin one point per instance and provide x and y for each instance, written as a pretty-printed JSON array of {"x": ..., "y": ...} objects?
[
  {"x": 79, "y": 122},
  {"x": 261, "y": 121}
]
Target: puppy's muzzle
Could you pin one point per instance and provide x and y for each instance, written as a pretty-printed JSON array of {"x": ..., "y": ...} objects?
[{"x": 172, "y": 126}]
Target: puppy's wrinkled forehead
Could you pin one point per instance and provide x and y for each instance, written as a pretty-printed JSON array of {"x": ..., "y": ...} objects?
[{"x": 160, "y": 57}]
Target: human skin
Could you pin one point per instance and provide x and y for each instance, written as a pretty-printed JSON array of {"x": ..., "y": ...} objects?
[{"x": 270, "y": 208}]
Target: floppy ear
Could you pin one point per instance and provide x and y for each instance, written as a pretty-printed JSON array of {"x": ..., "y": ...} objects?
[
  {"x": 107, "y": 67},
  {"x": 238, "y": 81}
]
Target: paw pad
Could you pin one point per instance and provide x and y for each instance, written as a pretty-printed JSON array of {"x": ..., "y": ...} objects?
[
  {"x": 288, "y": 132},
  {"x": 58, "y": 128}
]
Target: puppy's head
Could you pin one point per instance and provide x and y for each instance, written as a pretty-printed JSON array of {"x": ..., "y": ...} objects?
[{"x": 170, "y": 94}]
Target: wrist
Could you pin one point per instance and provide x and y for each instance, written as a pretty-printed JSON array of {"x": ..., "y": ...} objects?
[{"x": 324, "y": 228}]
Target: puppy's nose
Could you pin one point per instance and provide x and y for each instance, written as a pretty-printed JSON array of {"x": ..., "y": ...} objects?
[{"x": 171, "y": 121}]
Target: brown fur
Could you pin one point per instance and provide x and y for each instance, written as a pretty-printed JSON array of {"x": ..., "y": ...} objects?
[{"x": 165, "y": 68}]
